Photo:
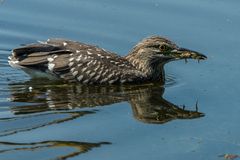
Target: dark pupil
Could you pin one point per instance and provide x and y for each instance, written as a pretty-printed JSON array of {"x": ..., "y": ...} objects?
[{"x": 163, "y": 47}]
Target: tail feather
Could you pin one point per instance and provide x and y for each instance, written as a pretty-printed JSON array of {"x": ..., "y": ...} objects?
[
  {"x": 41, "y": 58},
  {"x": 51, "y": 57},
  {"x": 34, "y": 54},
  {"x": 33, "y": 48},
  {"x": 33, "y": 61}
]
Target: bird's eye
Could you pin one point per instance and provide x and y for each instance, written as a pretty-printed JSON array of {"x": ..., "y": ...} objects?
[{"x": 163, "y": 47}]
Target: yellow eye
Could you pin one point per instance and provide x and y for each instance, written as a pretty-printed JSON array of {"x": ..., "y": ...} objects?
[{"x": 163, "y": 47}]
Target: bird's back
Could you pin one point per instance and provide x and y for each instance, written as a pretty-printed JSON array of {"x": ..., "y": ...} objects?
[{"x": 75, "y": 62}]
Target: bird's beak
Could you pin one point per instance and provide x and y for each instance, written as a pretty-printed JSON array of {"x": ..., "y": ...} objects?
[{"x": 183, "y": 53}]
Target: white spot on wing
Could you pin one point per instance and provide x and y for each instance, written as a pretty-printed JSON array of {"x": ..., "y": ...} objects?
[
  {"x": 95, "y": 69},
  {"x": 71, "y": 59},
  {"x": 123, "y": 80},
  {"x": 112, "y": 61},
  {"x": 103, "y": 80},
  {"x": 101, "y": 70},
  {"x": 50, "y": 59},
  {"x": 118, "y": 73},
  {"x": 130, "y": 79},
  {"x": 64, "y": 43},
  {"x": 72, "y": 69},
  {"x": 97, "y": 77},
  {"x": 77, "y": 51},
  {"x": 69, "y": 105},
  {"x": 112, "y": 81},
  {"x": 110, "y": 75},
  {"x": 80, "y": 77},
  {"x": 89, "y": 53},
  {"x": 105, "y": 72},
  {"x": 30, "y": 89},
  {"x": 85, "y": 81},
  {"x": 80, "y": 64},
  {"x": 75, "y": 73},
  {"x": 88, "y": 72},
  {"x": 51, "y": 66},
  {"x": 84, "y": 69},
  {"x": 92, "y": 74},
  {"x": 70, "y": 64},
  {"x": 79, "y": 58},
  {"x": 94, "y": 62},
  {"x": 88, "y": 64},
  {"x": 122, "y": 65}
]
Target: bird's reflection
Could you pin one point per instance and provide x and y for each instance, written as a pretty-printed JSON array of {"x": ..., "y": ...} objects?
[
  {"x": 40, "y": 103},
  {"x": 147, "y": 102},
  {"x": 77, "y": 148}
]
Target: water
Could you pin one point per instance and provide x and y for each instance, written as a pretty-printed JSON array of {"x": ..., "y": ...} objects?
[{"x": 46, "y": 120}]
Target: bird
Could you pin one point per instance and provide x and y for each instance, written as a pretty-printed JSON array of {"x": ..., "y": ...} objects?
[{"x": 73, "y": 61}]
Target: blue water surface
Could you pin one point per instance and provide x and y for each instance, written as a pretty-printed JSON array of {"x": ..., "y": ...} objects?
[{"x": 61, "y": 121}]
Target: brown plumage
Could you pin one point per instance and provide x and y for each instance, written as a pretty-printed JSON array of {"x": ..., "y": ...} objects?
[{"x": 78, "y": 62}]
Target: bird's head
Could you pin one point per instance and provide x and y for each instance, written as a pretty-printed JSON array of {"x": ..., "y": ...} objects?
[
  {"x": 161, "y": 50},
  {"x": 152, "y": 53}
]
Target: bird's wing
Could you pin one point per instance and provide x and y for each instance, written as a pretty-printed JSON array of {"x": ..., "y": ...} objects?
[{"x": 74, "y": 61}]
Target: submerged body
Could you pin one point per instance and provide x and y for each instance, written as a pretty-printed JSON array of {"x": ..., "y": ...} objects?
[{"x": 87, "y": 64}]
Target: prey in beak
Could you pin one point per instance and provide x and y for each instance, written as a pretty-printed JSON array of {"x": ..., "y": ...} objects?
[{"x": 183, "y": 53}]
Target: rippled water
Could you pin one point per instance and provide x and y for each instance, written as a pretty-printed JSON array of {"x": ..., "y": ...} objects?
[{"x": 194, "y": 115}]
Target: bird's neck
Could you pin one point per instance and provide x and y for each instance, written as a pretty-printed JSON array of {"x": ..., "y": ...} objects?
[{"x": 153, "y": 71}]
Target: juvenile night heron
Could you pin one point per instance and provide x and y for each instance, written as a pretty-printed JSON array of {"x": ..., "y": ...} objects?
[{"x": 87, "y": 64}]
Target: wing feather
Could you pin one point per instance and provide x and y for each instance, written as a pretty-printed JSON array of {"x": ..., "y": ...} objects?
[{"x": 75, "y": 61}]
